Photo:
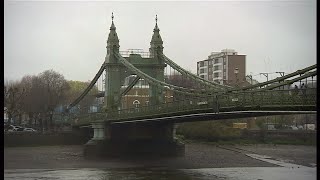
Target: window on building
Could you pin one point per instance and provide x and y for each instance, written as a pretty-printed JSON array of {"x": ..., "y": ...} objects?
[
  {"x": 201, "y": 64},
  {"x": 205, "y": 70},
  {"x": 216, "y": 68},
  {"x": 216, "y": 61},
  {"x": 202, "y": 76},
  {"x": 136, "y": 103},
  {"x": 206, "y": 63},
  {"x": 201, "y": 71},
  {"x": 215, "y": 75}
]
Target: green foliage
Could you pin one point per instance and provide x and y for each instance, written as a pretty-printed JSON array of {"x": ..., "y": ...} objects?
[
  {"x": 220, "y": 133},
  {"x": 76, "y": 89},
  {"x": 260, "y": 123},
  {"x": 209, "y": 130},
  {"x": 309, "y": 142}
]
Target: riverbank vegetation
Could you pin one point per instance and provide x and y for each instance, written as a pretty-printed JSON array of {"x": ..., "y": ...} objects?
[
  {"x": 222, "y": 133},
  {"x": 35, "y": 99}
]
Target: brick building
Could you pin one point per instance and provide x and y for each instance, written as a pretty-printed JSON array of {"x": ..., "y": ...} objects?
[
  {"x": 225, "y": 67},
  {"x": 139, "y": 94}
]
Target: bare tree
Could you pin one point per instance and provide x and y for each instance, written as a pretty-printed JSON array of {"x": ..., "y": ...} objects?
[
  {"x": 54, "y": 88},
  {"x": 13, "y": 93},
  {"x": 39, "y": 96},
  {"x": 177, "y": 79},
  {"x": 33, "y": 99}
]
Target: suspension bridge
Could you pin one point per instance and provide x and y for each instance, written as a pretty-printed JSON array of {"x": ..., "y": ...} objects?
[{"x": 147, "y": 93}]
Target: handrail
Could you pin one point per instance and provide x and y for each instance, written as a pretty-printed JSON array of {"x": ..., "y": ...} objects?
[
  {"x": 243, "y": 100},
  {"x": 309, "y": 74},
  {"x": 298, "y": 72}
]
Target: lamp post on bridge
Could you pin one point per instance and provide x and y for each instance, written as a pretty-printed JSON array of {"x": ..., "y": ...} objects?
[
  {"x": 236, "y": 71},
  {"x": 266, "y": 75},
  {"x": 250, "y": 77},
  {"x": 223, "y": 81},
  {"x": 281, "y": 73}
]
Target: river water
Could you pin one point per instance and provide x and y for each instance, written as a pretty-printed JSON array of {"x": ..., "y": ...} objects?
[
  {"x": 250, "y": 173},
  {"x": 283, "y": 172}
]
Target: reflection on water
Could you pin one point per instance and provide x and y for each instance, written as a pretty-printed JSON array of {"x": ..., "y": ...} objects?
[
  {"x": 95, "y": 174},
  {"x": 256, "y": 173},
  {"x": 247, "y": 173}
]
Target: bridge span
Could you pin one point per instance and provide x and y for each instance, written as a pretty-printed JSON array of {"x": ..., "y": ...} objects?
[{"x": 146, "y": 94}]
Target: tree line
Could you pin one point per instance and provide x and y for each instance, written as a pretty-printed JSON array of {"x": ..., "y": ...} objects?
[{"x": 38, "y": 96}]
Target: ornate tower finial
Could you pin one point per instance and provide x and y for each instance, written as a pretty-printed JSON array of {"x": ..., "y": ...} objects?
[
  {"x": 156, "y": 41},
  {"x": 156, "y": 26},
  {"x": 112, "y": 25},
  {"x": 113, "y": 40}
]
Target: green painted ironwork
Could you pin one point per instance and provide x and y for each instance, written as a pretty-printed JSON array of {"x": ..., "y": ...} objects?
[
  {"x": 124, "y": 92},
  {"x": 276, "y": 80},
  {"x": 158, "y": 83},
  {"x": 217, "y": 98},
  {"x": 85, "y": 92},
  {"x": 247, "y": 100},
  {"x": 288, "y": 82},
  {"x": 211, "y": 84}
]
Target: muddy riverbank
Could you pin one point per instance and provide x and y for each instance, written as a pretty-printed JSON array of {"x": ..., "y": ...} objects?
[{"x": 197, "y": 156}]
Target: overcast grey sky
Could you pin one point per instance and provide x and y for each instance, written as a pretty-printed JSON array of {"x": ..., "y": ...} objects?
[{"x": 70, "y": 36}]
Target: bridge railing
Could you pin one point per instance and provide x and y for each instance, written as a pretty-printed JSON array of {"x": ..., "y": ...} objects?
[
  {"x": 249, "y": 99},
  {"x": 129, "y": 52},
  {"x": 271, "y": 97}
]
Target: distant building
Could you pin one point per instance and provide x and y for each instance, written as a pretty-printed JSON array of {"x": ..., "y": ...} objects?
[
  {"x": 139, "y": 94},
  {"x": 225, "y": 67}
]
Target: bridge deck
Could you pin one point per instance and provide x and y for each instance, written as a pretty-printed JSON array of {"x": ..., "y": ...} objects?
[{"x": 232, "y": 105}]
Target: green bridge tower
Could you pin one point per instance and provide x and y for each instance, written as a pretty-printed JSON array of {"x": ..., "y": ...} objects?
[
  {"x": 116, "y": 139},
  {"x": 116, "y": 72}
]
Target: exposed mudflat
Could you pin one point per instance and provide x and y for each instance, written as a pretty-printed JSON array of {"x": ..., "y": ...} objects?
[{"x": 196, "y": 156}]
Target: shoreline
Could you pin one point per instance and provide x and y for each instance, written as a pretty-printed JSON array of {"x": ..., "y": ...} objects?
[{"x": 197, "y": 155}]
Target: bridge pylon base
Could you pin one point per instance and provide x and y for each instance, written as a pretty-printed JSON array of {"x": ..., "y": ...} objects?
[
  {"x": 135, "y": 140},
  {"x": 108, "y": 148}
]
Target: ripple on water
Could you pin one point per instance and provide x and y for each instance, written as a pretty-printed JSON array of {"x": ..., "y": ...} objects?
[{"x": 247, "y": 173}]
